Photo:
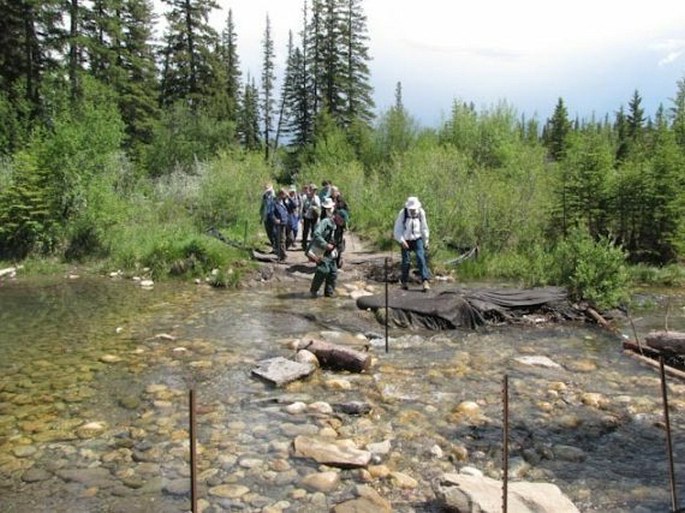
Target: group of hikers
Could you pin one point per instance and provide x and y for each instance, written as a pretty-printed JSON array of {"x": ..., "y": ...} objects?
[{"x": 324, "y": 216}]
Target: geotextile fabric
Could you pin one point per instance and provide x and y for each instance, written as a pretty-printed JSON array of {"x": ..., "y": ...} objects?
[{"x": 468, "y": 308}]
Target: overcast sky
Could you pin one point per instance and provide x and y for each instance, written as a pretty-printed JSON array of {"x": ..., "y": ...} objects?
[{"x": 592, "y": 53}]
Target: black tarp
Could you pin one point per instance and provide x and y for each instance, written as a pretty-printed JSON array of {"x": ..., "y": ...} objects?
[{"x": 469, "y": 308}]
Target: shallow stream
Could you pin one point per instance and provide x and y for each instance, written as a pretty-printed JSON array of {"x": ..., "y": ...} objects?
[{"x": 95, "y": 376}]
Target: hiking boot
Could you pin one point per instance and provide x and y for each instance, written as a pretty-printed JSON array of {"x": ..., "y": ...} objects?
[{"x": 426, "y": 286}]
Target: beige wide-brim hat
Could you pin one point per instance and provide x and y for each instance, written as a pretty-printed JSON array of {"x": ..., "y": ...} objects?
[
  {"x": 328, "y": 204},
  {"x": 412, "y": 203}
]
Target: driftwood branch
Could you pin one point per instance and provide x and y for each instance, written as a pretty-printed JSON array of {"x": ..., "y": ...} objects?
[{"x": 337, "y": 357}]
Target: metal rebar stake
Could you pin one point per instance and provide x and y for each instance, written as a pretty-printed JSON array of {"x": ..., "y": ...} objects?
[
  {"x": 386, "y": 304},
  {"x": 193, "y": 465},
  {"x": 669, "y": 445},
  {"x": 505, "y": 444}
]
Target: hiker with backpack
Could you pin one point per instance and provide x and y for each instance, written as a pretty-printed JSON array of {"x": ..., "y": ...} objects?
[
  {"x": 266, "y": 210},
  {"x": 411, "y": 232},
  {"x": 311, "y": 211},
  {"x": 323, "y": 251}
]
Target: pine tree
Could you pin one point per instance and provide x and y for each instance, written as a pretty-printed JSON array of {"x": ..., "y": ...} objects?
[
  {"x": 301, "y": 96},
  {"x": 635, "y": 119},
  {"x": 139, "y": 89},
  {"x": 248, "y": 121},
  {"x": 678, "y": 111},
  {"x": 31, "y": 41},
  {"x": 622, "y": 136},
  {"x": 356, "y": 74},
  {"x": 557, "y": 131},
  {"x": 268, "y": 80},
  {"x": 231, "y": 65},
  {"x": 187, "y": 56},
  {"x": 288, "y": 92}
]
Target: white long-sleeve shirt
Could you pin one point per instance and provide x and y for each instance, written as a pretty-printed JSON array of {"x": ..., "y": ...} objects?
[{"x": 408, "y": 228}]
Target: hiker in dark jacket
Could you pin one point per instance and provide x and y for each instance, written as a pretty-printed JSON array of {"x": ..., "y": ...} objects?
[
  {"x": 266, "y": 210},
  {"x": 280, "y": 221}
]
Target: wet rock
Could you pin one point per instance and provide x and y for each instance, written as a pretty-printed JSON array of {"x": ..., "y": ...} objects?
[
  {"x": 569, "y": 453},
  {"x": 538, "y": 361},
  {"x": 180, "y": 487},
  {"x": 307, "y": 357},
  {"x": 478, "y": 494},
  {"x": 88, "y": 477},
  {"x": 324, "y": 482},
  {"x": 280, "y": 371},
  {"x": 368, "y": 501},
  {"x": 229, "y": 491},
  {"x": 24, "y": 451},
  {"x": 353, "y": 407},
  {"x": 35, "y": 475},
  {"x": 402, "y": 480},
  {"x": 338, "y": 453}
]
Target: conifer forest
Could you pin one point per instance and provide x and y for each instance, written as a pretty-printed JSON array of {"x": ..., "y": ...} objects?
[{"x": 127, "y": 133}]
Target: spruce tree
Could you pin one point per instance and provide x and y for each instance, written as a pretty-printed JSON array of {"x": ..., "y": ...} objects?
[
  {"x": 678, "y": 112},
  {"x": 248, "y": 121},
  {"x": 268, "y": 80},
  {"x": 231, "y": 65},
  {"x": 557, "y": 131},
  {"x": 356, "y": 74},
  {"x": 139, "y": 89},
  {"x": 187, "y": 57}
]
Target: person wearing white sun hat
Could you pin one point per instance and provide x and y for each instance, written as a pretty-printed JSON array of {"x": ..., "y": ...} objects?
[{"x": 411, "y": 232}]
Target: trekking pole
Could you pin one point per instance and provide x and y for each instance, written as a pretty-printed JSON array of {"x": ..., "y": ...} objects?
[
  {"x": 505, "y": 443},
  {"x": 193, "y": 463},
  {"x": 669, "y": 445},
  {"x": 386, "y": 304}
]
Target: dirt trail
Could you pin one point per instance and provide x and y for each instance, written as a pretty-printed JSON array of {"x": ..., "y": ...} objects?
[{"x": 357, "y": 258}]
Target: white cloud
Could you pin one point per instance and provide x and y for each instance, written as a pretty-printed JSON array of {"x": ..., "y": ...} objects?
[{"x": 671, "y": 49}]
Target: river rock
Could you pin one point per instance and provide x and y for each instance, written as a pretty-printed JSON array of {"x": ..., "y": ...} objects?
[
  {"x": 280, "y": 371},
  {"x": 89, "y": 477},
  {"x": 368, "y": 501},
  {"x": 324, "y": 482},
  {"x": 335, "y": 453},
  {"x": 35, "y": 475},
  {"x": 538, "y": 361},
  {"x": 229, "y": 491},
  {"x": 459, "y": 493}
]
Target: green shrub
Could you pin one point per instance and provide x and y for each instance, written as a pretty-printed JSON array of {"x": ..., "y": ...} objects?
[{"x": 591, "y": 270}]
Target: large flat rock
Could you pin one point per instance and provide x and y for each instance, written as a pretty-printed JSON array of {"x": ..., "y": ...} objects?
[
  {"x": 280, "y": 371},
  {"x": 335, "y": 453}
]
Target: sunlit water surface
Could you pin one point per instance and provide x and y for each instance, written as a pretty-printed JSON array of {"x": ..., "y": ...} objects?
[{"x": 95, "y": 376}]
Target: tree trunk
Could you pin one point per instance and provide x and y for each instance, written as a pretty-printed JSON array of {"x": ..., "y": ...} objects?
[
  {"x": 666, "y": 341},
  {"x": 337, "y": 357}
]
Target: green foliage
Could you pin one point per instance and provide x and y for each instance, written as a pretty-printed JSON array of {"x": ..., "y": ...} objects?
[
  {"x": 672, "y": 275},
  {"x": 25, "y": 219},
  {"x": 591, "y": 270},
  {"x": 183, "y": 137}
]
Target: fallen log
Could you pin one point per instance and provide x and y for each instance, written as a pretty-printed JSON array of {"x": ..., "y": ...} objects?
[
  {"x": 650, "y": 356},
  {"x": 337, "y": 357},
  {"x": 667, "y": 341}
]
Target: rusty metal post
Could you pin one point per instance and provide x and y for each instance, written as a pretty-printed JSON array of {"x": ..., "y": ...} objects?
[
  {"x": 505, "y": 444},
  {"x": 386, "y": 305},
  {"x": 193, "y": 463},
  {"x": 669, "y": 445}
]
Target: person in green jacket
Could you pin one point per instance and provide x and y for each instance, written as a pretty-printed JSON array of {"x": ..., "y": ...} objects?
[{"x": 323, "y": 251}]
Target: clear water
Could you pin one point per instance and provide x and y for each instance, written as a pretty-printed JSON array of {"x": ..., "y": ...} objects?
[{"x": 96, "y": 350}]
